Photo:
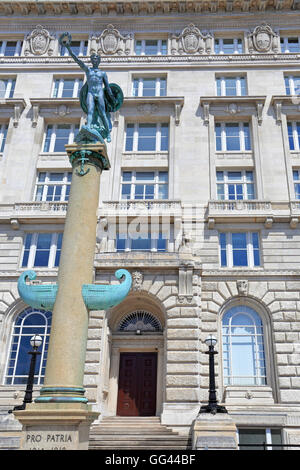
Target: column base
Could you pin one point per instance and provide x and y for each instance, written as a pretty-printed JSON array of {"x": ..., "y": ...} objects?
[
  {"x": 55, "y": 426},
  {"x": 214, "y": 432}
]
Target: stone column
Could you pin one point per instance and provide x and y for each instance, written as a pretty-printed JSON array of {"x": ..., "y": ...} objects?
[{"x": 61, "y": 409}]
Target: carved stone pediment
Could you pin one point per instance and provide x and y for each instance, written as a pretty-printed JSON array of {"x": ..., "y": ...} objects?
[
  {"x": 263, "y": 39},
  {"x": 191, "y": 41},
  {"x": 39, "y": 42},
  {"x": 111, "y": 42}
]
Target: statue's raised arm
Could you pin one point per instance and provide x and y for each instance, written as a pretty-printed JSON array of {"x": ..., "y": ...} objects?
[{"x": 65, "y": 40}]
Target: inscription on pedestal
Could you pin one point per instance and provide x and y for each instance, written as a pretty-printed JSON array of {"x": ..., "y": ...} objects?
[{"x": 49, "y": 440}]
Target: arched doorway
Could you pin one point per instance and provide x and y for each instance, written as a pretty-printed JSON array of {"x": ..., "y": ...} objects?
[{"x": 136, "y": 368}]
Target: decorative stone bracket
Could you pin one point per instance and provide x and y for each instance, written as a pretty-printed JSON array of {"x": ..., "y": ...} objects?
[
  {"x": 222, "y": 105},
  {"x": 185, "y": 289},
  {"x": 12, "y": 104}
]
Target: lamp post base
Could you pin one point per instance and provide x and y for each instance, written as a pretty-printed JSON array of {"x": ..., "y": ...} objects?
[
  {"x": 214, "y": 431},
  {"x": 213, "y": 409}
]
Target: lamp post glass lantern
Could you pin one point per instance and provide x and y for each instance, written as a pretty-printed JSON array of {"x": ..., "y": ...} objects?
[
  {"x": 35, "y": 342},
  {"x": 212, "y": 406}
]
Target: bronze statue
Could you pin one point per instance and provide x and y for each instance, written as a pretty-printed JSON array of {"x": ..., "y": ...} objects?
[{"x": 98, "y": 97}]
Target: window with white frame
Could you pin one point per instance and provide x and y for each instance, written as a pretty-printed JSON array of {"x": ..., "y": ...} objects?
[
  {"x": 290, "y": 44},
  {"x": 147, "y": 137},
  {"x": 151, "y": 47},
  {"x": 3, "y": 134},
  {"x": 42, "y": 250},
  {"x": 53, "y": 186},
  {"x": 296, "y": 178},
  {"x": 80, "y": 48},
  {"x": 28, "y": 323},
  {"x": 259, "y": 439},
  {"x": 58, "y": 135},
  {"x": 144, "y": 185},
  {"x": 243, "y": 347},
  {"x": 234, "y": 185},
  {"x": 294, "y": 135},
  {"x": 10, "y": 48},
  {"x": 229, "y": 46},
  {"x": 232, "y": 136},
  {"x": 144, "y": 240},
  {"x": 155, "y": 86},
  {"x": 66, "y": 88},
  {"x": 292, "y": 85},
  {"x": 231, "y": 86},
  {"x": 239, "y": 249},
  {"x": 7, "y": 87}
]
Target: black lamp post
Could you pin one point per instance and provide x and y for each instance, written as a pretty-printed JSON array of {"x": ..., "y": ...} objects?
[
  {"x": 212, "y": 406},
  {"x": 35, "y": 342}
]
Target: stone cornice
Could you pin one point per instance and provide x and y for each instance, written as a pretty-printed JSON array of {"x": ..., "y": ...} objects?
[
  {"x": 148, "y": 62},
  {"x": 123, "y": 7}
]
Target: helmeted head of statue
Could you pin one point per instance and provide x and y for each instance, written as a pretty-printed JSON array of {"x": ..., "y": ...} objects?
[{"x": 95, "y": 59}]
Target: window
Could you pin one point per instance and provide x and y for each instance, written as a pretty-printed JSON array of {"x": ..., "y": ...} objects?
[
  {"x": 53, "y": 186},
  {"x": 260, "y": 439},
  {"x": 231, "y": 86},
  {"x": 58, "y": 135},
  {"x": 67, "y": 88},
  {"x": 151, "y": 47},
  {"x": 3, "y": 134},
  {"x": 243, "y": 347},
  {"x": 229, "y": 46},
  {"x": 233, "y": 185},
  {"x": 294, "y": 135},
  {"x": 78, "y": 47},
  {"x": 290, "y": 44},
  {"x": 144, "y": 185},
  {"x": 147, "y": 137},
  {"x": 10, "y": 48},
  {"x": 42, "y": 249},
  {"x": 149, "y": 87},
  {"x": 239, "y": 249},
  {"x": 28, "y": 323},
  {"x": 7, "y": 88},
  {"x": 140, "y": 321},
  {"x": 144, "y": 242},
  {"x": 292, "y": 85},
  {"x": 232, "y": 136},
  {"x": 296, "y": 177}
]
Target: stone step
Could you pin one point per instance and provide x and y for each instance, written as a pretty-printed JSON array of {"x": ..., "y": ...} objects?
[{"x": 129, "y": 433}]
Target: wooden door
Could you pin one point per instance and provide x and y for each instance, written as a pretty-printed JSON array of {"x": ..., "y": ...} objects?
[{"x": 137, "y": 384}]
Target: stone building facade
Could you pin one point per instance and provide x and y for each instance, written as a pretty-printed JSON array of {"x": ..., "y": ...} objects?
[{"x": 205, "y": 152}]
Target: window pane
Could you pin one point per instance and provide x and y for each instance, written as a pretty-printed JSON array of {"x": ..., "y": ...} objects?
[
  {"x": 143, "y": 175},
  {"x": 58, "y": 249},
  {"x": 135, "y": 89},
  {"x": 223, "y": 249},
  {"x": 247, "y": 142},
  {"x": 232, "y": 137},
  {"x": 126, "y": 191},
  {"x": 43, "y": 249},
  {"x": 48, "y": 138},
  {"x": 62, "y": 137},
  {"x": 290, "y": 136},
  {"x": 163, "y": 87},
  {"x": 149, "y": 86},
  {"x": 239, "y": 249},
  {"x": 3, "y": 135},
  {"x": 151, "y": 47},
  {"x": 147, "y": 137},
  {"x": 218, "y": 137},
  {"x": 68, "y": 88},
  {"x": 10, "y": 49},
  {"x": 129, "y": 138},
  {"x": 164, "y": 145}
]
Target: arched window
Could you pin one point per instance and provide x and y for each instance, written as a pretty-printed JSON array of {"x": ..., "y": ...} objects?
[
  {"x": 28, "y": 323},
  {"x": 140, "y": 321},
  {"x": 243, "y": 347}
]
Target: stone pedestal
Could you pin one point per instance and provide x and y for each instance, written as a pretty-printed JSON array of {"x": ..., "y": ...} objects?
[
  {"x": 55, "y": 426},
  {"x": 214, "y": 432}
]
